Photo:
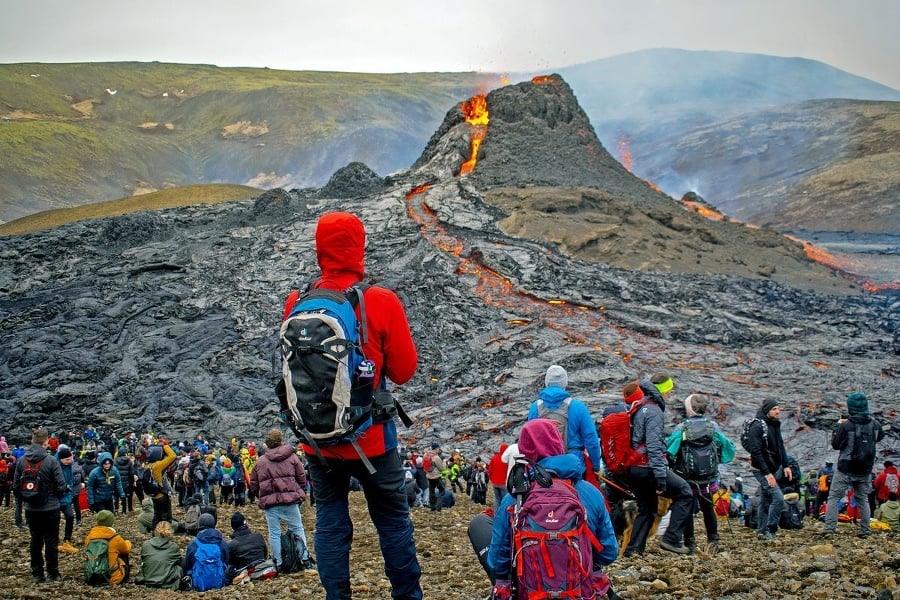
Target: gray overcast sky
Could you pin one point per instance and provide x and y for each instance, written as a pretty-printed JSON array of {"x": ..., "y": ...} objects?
[{"x": 389, "y": 36}]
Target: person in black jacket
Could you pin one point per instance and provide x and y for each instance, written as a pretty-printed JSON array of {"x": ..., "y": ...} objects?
[
  {"x": 654, "y": 478},
  {"x": 769, "y": 464},
  {"x": 858, "y": 429},
  {"x": 42, "y": 514},
  {"x": 247, "y": 548},
  {"x": 127, "y": 471}
]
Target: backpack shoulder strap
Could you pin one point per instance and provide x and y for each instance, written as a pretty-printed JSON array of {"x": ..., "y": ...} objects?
[{"x": 357, "y": 291}]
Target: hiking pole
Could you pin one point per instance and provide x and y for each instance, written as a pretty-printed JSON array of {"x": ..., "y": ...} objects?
[
  {"x": 625, "y": 491},
  {"x": 711, "y": 503}
]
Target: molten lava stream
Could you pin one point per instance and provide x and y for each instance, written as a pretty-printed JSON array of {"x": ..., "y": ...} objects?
[{"x": 582, "y": 325}]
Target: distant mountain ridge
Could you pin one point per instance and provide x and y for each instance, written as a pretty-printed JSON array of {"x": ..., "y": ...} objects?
[{"x": 67, "y": 139}]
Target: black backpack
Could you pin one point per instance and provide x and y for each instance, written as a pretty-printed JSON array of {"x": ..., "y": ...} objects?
[
  {"x": 745, "y": 432},
  {"x": 862, "y": 455},
  {"x": 292, "y": 550},
  {"x": 31, "y": 488},
  {"x": 148, "y": 483},
  {"x": 698, "y": 456},
  {"x": 791, "y": 516}
]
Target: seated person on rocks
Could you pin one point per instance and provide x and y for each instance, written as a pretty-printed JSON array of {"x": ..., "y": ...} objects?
[
  {"x": 119, "y": 547},
  {"x": 247, "y": 548},
  {"x": 540, "y": 442},
  {"x": 145, "y": 518},
  {"x": 889, "y": 512},
  {"x": 208, "y": 535},
  {"x": 160, "y": 559},
  {"x": 412, "y": 490}
]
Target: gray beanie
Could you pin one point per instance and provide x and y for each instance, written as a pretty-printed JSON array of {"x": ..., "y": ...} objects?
[
  {"x": 556, "y": 377},
  {"x": 206, "y": 521}
]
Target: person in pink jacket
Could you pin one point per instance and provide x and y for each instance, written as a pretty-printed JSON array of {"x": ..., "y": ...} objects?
[{"x": 279, "y": 481}]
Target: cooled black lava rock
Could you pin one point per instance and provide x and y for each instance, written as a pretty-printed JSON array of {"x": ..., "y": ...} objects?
[{"x": 353, "y": 181}]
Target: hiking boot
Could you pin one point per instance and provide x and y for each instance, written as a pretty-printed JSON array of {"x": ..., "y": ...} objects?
[
  {"x": 690, "y": 544},
  {"x": 673, "y": 548},
  {"x": 67, "y": 547},
  {"x": 242, "y": 577},
  {"x": 766, "y": 535},
  {"x": 38, "y": 579},
  {"x": 864, "y": 533},
  {"x": 53, "y": 578},
  {"x": 308, "y": 565}
]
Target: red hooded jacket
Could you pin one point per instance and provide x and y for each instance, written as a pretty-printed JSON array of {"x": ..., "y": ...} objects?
[
  {"x": 340, "y": 251},
  {"x": 880, "y": 483}
]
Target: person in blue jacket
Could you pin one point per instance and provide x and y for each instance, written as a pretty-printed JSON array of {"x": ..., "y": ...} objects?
[
  {"x": 580, "y": 433},
  {"x": 103, "y": 484},
  {"x": 540, "y": 442}
]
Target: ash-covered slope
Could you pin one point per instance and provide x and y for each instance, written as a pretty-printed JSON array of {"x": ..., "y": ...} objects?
[{"x": 167, "y": 320}]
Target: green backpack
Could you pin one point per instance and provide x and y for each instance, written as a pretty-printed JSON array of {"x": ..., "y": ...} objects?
[{"x": 96, "y": 567}]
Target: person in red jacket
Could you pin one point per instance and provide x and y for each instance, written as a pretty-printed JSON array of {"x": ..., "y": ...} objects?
[
  {"x": 496, "y": 470},
  {"x": 886, "y": 482},
  {"x": 340, "y": 251}
]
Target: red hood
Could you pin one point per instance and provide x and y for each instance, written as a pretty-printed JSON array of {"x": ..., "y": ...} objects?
[{"x": 341, "y": 246}]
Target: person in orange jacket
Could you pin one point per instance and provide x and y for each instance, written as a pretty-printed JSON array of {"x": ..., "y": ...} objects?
[{"x": 119, "y": 547}]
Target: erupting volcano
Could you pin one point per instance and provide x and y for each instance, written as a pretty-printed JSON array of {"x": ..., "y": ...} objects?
[{"x": 547, "y": 251}]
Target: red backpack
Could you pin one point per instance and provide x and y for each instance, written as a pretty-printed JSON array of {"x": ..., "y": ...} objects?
[
  {"x": 615, "y": 441},
  {"x": 553, "y": 545}
]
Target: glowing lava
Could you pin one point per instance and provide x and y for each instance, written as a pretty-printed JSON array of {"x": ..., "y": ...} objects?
[{"x": 476, "y": 113}]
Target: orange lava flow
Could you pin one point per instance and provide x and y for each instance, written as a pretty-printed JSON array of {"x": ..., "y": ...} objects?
[
  {"x": 625, "y": 154},
  {"x": 476, "y": 113},
  {"x": 540, "y": 79},
  {"x": 705, "y": 211}
]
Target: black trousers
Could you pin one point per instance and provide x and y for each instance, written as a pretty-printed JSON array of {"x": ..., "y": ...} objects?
[
  {"x": 44, "y": 528},
  {"x": 643, "y": 485}
]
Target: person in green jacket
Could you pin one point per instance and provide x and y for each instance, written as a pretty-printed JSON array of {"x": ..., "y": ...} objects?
[
  {"x": 145, "y": 519},
  {"x": 160, "y": 560},
  {"x": 700, "y": 427},
  {"x": 889, "y": 512}
]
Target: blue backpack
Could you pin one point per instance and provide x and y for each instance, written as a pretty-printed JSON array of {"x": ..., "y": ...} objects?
[
  {"x": 327, "y": 387},
  {"x": 209, "y": 569}
]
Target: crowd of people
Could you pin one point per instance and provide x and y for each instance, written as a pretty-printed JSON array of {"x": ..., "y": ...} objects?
[{"x": 63, "y": 477}]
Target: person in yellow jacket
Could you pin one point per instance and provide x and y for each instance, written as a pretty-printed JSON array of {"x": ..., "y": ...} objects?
[
  {"x": 162, "y": 501},
  {"x": 119, "y": 547}
]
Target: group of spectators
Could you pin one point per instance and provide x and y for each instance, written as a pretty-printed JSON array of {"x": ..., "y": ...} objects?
[{"x": 69, "y": 482}]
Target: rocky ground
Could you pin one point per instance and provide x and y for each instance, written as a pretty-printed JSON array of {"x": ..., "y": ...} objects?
[{"x": 798, "y": 564}]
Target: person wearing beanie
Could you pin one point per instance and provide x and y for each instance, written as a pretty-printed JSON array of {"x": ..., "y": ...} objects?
[
  {"x": 697, "y": 428},
  {"x": 207, "y": 535},
  {"x": 540, "y": 442},
  {"x": 579, "y": 434},
  {"x": 119, "y": 547},
  {"x": 434, "y": 474},
  {"x": 279, "y": 481},
  {"x": 247, "y": 548},
  {"x": 769, "y": 464},
  {"x": 855, "y": 438},
  {"x": 340, "y": 239},
  {"x": 73, "y": 475},
  {"x": 42, "y": 516},
  {"x": 653, "y": 478},
  {"x": 160, "y": 559}
]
